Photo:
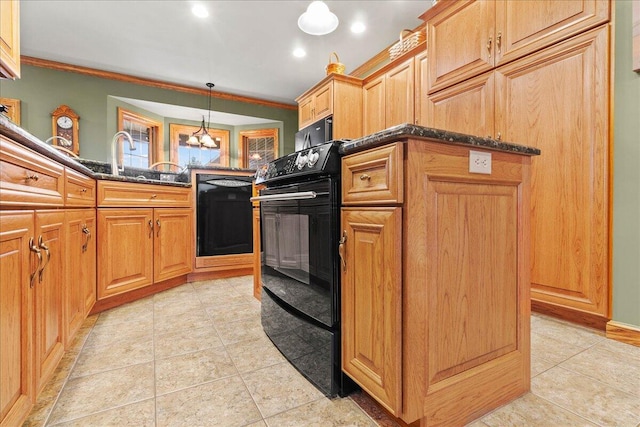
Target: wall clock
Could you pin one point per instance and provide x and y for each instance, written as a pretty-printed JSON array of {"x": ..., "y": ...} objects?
[{"x": 64, "y": 123}]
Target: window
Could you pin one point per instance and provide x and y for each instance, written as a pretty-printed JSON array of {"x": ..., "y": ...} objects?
[
  {"x": 185, "y": 154},
  {"x": 147, "y": 136},
  {"x": 258, "y": 147}
]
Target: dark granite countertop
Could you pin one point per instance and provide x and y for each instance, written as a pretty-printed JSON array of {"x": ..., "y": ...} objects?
[
  {"x": 102, "y": 170},
  {"x": 15, "y": 132},
  {"x": 420, "y": 132}
]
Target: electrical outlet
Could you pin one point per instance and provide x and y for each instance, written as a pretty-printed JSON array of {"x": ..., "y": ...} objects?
[{"x": 479, "y": 162}]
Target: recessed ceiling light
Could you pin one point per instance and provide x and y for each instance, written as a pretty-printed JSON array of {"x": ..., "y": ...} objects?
[
  {"x": 358, "y": 27},
  {"x": 200, "y": 11},
  {"x": 299, "y": 52}
]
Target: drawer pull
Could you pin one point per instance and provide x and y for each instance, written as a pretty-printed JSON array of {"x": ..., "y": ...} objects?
[
  {"x": 83, "y": 190},
  {"x": 153, "y": 196},
  {"x": 365, "y": 177},
  {"x": 33, "y": 177}
]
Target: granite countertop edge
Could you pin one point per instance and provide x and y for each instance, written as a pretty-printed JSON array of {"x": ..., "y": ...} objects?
[
  {"x": 407, "y": 130},
  {"x": 18, "y": 134}
]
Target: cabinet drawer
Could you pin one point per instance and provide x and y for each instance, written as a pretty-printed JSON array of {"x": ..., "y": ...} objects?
[
  {"x": 80, "y": 190},
  {"x": 373, "y": 176},
  {"x": 28, "y": 178},
  {"x": 127, "y": 194}
]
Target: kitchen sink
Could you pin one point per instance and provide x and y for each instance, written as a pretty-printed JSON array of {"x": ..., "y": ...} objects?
[{"x": 138, "y": 174}]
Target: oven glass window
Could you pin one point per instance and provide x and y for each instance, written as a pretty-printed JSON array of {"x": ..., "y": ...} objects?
[{"x": 288, "y": 253}]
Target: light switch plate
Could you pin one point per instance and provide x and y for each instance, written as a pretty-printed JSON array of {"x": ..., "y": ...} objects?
[{"x": 479, "y": 162}]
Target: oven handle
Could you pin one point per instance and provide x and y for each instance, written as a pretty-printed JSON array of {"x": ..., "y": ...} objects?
[{"x": 285, "y": 196}]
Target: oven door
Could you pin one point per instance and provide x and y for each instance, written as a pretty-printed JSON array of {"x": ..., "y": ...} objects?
[{"x": 299, "y": 237}]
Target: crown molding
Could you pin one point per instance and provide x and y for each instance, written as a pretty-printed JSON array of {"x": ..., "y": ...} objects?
[{"x": 60, "y": 66}]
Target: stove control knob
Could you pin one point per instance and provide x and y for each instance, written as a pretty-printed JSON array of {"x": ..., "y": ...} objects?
[
  {"x": 302, "y": 161},
  {"x": 312, "y": 158}
]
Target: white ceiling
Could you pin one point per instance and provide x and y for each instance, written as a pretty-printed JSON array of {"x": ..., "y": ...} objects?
[{"x": 244, "y": 47}]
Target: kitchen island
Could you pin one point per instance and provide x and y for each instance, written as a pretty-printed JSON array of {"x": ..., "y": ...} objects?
[{"x": 435, "y": 272}]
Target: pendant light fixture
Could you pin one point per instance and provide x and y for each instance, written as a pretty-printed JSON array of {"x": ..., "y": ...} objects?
[
  {"x": 318, "y": 20},
  {"x": 201, "y": 137}
]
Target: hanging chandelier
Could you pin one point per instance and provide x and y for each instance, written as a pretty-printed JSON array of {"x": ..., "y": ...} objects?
[{"x": 201, "y": 137}]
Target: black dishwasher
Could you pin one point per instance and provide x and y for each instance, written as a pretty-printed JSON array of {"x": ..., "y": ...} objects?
[{"x": 224, "y": 215}]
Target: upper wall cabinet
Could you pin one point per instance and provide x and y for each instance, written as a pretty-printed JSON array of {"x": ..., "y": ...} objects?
[
  {"x": 336, "y": 94},
  {"x": 10, "y": 39},
  {"x": 388, "y": 98},
  {"x": 497, "y": 32}
]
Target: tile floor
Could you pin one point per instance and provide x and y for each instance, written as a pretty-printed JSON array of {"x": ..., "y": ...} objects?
[{"x": 196, "y": 355}]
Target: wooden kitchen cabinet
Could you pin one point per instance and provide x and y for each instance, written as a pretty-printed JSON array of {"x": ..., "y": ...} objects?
[
  {"x": 257, "y": 251},
  {"x": 372, "y": 302},
  {"x": 40, "y": 306},
  {"x": 469, "y": 37},
  {"x": 537, "y": 101},
  {"x": 316, "y": 105},
  {"x": 10, "y": 39},
  {"x": 435, "y": 279},
  {"x": 388, "y": 98},
  {"x": 338, "y": 95},
  {"x": 29, "y": 178},
  {"x": 566, "y": 90},
  {"x": 47, "y": 295},
  {"x": 80, "y": 258},
  {"x": 145, "y": 235},
  {"x": 172, "y": 244},
  {"x": 467, "y": 107},
  {"x": 125, "y": 250},
  {"x": 17, "y": 264}
]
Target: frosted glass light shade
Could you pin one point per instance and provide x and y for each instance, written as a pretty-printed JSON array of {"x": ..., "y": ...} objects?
[{"x": 318, "y": 20}]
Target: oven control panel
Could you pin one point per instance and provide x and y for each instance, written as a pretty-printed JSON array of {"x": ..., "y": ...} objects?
[{"x": 321, "y": 159}]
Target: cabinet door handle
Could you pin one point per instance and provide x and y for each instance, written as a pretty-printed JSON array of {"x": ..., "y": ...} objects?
[
  {"x": 499, "y": 42},
  {"x": 489, "y": 46},
  {"x": 30, "y": 176},
  {"x": 45, "y": 248},
  {"x": 87, "y": 233},
  {"x": 158, "y": 229},
  {"x": 499, "y": 136},
  {"x": 341, "y": 249},
  {"x": 33, "y": 248},
  {"x": 150, "y": 228}
]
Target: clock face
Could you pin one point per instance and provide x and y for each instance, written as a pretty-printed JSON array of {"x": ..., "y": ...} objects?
[{"x": 64, "y": 122}]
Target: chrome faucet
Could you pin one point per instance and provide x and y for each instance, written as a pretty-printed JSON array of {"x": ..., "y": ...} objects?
[
  {"x": 114, "y": 144},
  {"x": 64, "y": 142}
]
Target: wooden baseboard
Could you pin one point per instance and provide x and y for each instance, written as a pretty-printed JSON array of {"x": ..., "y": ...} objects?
[
  {"x": 624, "y": 333},
  {"x": 590, "y": 320},
  {"x": 210, "y": 275},
  {"x": 136, "y": 294}
]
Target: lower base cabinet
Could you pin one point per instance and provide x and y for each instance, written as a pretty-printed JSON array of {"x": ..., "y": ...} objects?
[
  {"x": 16, "y": 313},
  {"x": 139, "y": 247},
  {"x": 80, "y": 291},
  {"x": 435, "y": 280},
  {"x": 48, "y": 306},
  {"x": 372, "y": 302}
]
